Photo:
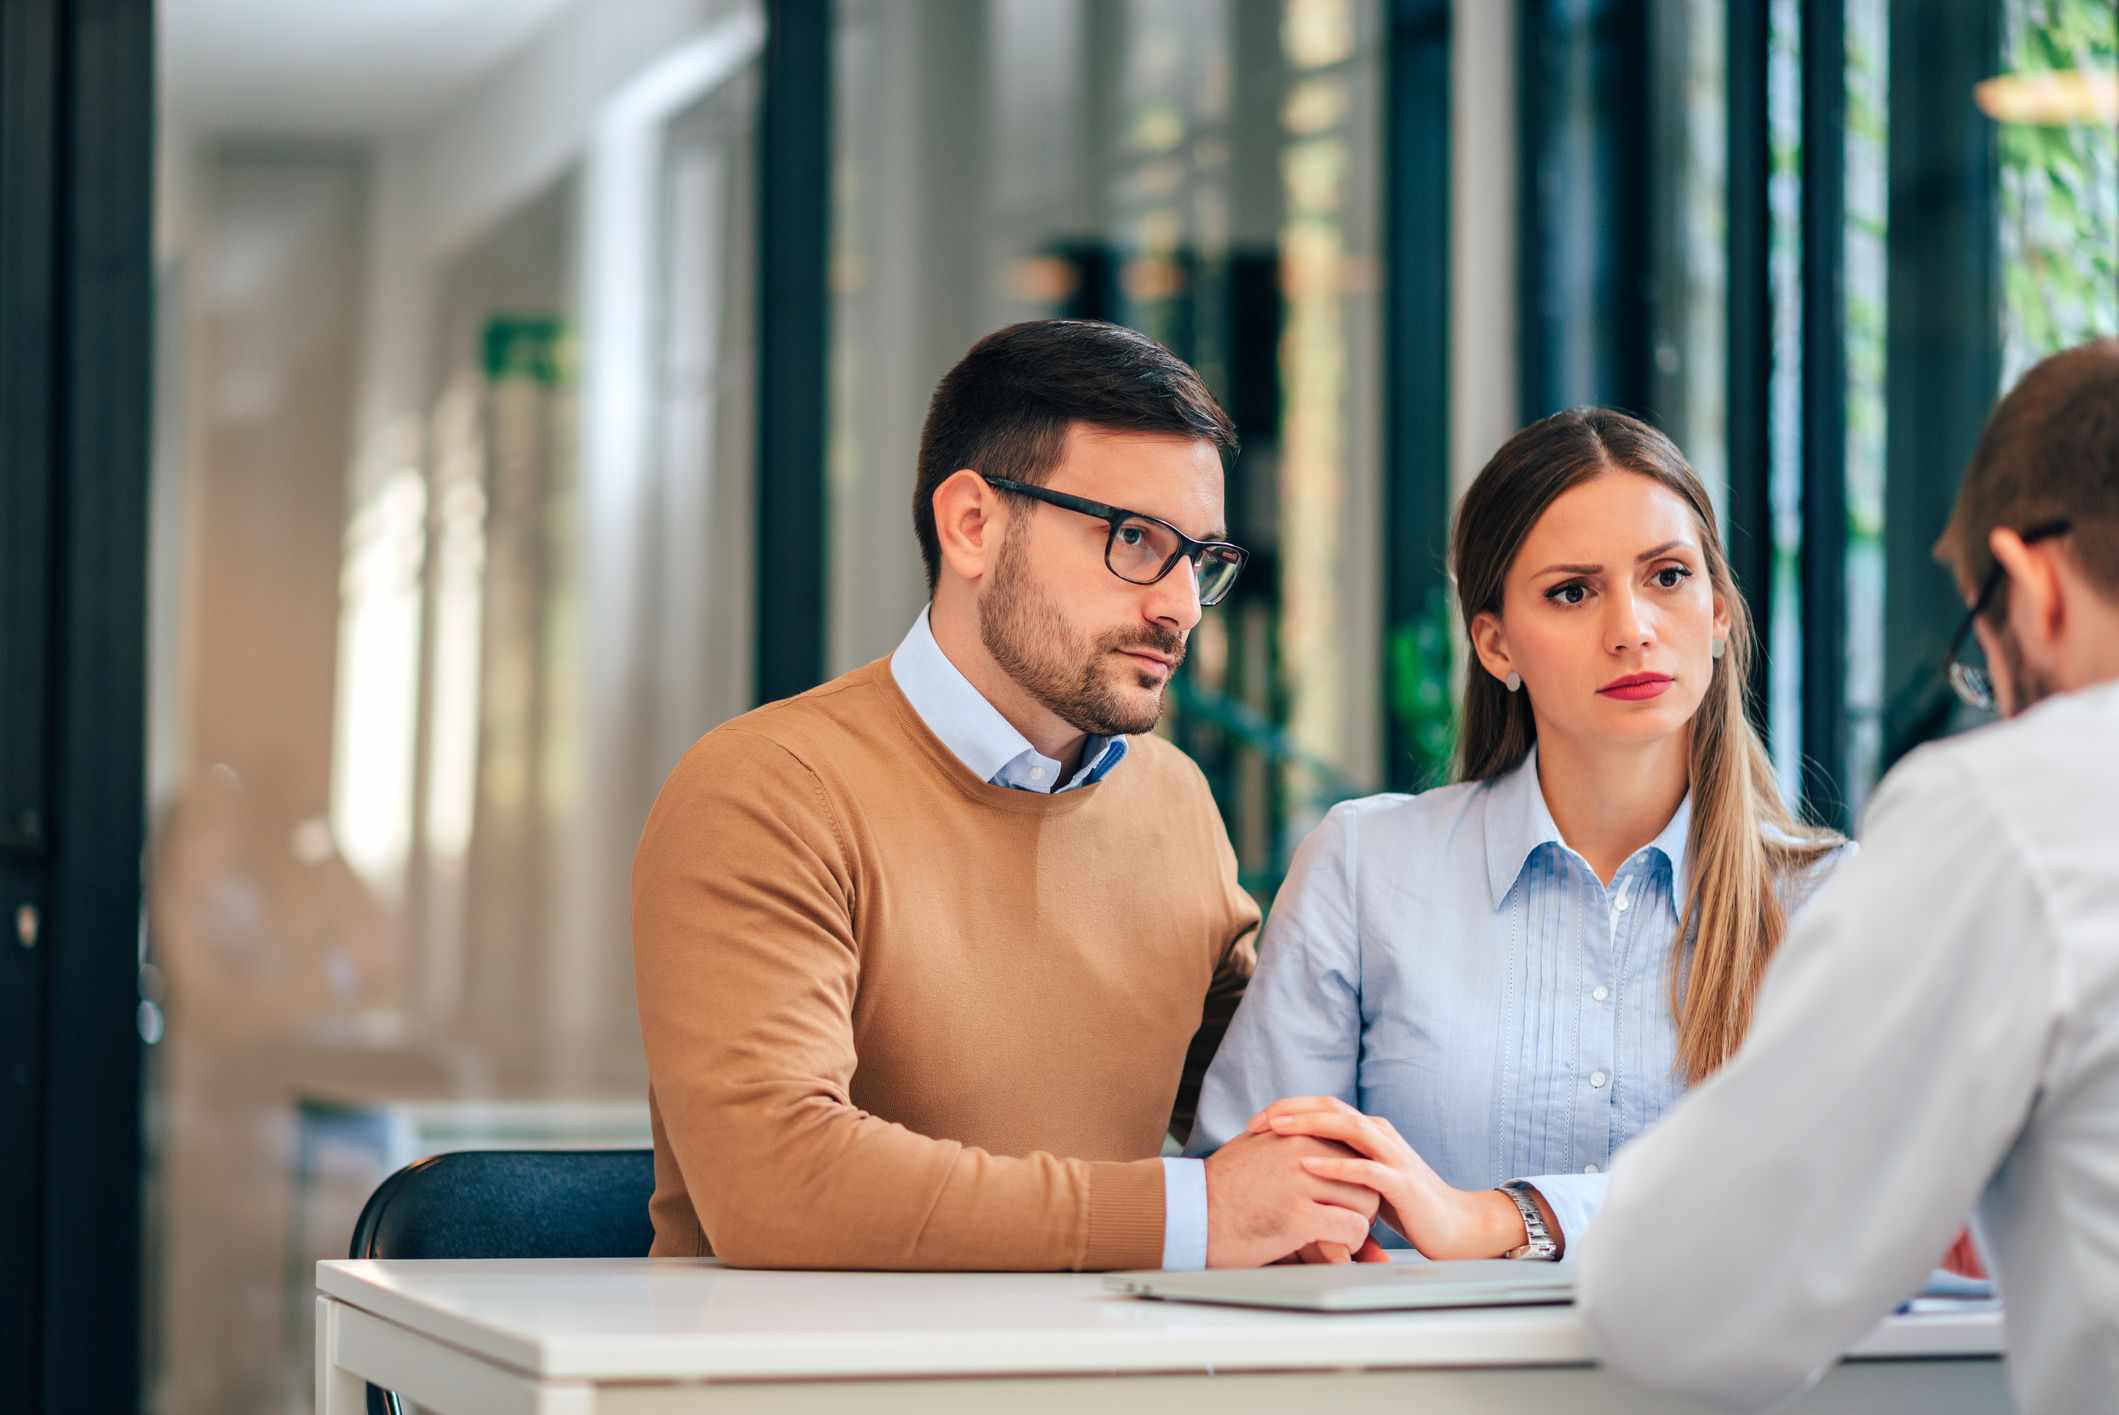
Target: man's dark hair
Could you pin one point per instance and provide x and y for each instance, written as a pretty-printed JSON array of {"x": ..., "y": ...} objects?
[
  {"x": 2050, "y": 452},
  {"x": 1005, "y": 408}
]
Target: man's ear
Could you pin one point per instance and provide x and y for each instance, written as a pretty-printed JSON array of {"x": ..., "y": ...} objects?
[
  {"x": 970, "y": 522},
  {"x": 2037, "y": 608},
  {"x": 1491, "y": 644}
]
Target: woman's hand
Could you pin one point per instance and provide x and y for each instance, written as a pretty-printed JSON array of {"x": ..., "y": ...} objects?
[{"x": 1440, "y": 1221}]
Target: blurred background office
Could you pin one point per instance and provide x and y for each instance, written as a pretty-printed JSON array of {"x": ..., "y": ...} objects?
[{"x": 537, "y": 385}]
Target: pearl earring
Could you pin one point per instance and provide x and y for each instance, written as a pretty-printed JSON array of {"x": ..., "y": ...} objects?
[
  {"x": 1514, "y": 680},
  {"x": 1720, "y": 647}
]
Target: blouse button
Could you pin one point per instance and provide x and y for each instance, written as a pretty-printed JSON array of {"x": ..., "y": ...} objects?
[
  {"x": 1600, "y": 993},
  {"x": 1597, "y": 1079}
]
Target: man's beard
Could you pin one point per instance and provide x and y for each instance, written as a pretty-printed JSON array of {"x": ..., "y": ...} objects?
[{"x": 1024, "y": 631}]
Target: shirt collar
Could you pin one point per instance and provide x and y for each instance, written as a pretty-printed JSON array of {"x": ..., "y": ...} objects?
[
  {"x": 1673, "y": 843},
  {"x": 1518, "y": 822},
  {"x": 973, "y": 728}
]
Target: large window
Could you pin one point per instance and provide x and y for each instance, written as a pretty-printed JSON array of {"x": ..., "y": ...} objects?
[
  {"x": 1208, "y": 172},
  {"x": 453, "y": 556},
  {"x": 460, "y": 519},
  {"x": 1927, "y": 195},
  {"x": 2059, "y": 198}
]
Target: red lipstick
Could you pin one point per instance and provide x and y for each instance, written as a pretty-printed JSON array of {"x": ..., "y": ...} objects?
[{"x": 1637, "y": 687}]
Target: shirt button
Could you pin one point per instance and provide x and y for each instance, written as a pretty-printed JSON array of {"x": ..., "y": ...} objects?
[
  {"x": 1621, "y": 902},
  {"x": 1589, "y": 1169},
  {"x": 1597, "y": 1080},
  {"x": 1037, "y": 773},
  {"x": 1600, "y": 993}
]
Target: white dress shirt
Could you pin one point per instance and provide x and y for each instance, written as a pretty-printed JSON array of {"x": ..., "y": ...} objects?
[
  {"x": 988, "y": 744},
  {"x": 1941, "y": 1030}
]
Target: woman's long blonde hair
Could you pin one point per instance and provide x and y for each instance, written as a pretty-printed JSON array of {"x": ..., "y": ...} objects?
[{"x": 1744, "y": 840}]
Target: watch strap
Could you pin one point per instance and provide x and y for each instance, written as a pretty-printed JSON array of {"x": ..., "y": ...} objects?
[{"x": 1539, "y": 1245}]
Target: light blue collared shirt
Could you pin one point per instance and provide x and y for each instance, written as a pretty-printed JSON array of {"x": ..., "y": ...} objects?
[
  {"x": 987, "y": 743},
  {"x": 1446, "y": 961}
]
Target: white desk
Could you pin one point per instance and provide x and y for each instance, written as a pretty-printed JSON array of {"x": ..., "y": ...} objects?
[{"x": 639, "y": 1336}]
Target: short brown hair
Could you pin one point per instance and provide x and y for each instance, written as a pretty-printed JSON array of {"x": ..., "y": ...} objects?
[
  {"x": 2050, "y": 452},
  {"x": 1005, "y": 408}
]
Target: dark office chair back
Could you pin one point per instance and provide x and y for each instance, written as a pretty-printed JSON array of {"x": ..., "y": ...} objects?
[
  {"x": 512, "y": 1204},
  {"x": 509, "y": 1204}
]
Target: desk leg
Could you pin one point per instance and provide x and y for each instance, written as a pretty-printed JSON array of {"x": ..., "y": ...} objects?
[
  {"x": 338, "y": 1390},
  {"x": 300, "y": 1269}
]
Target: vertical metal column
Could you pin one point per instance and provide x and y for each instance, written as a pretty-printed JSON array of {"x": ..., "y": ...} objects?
[
  {"x": 1824, "y": 419},
  {"x": 794, "y": 346},
  {"x": 1944, "y": 342},
  {"x": 1416, "y": 351},
  {"x": 77, "y": 79},
  {"x": 1750, "y": 330}
]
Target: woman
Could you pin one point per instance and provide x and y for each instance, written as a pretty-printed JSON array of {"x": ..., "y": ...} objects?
[{"x": 1507, "y": 978}]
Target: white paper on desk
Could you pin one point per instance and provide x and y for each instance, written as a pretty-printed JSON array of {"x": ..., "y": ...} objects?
[{"x": 1948, "y": 1292}]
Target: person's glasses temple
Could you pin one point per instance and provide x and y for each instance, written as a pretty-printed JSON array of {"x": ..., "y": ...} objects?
[{"x": 1974, "y": 685}]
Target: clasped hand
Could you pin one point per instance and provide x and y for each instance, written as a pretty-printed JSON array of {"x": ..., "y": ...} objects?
[{"x": 1437, "y": 1219}]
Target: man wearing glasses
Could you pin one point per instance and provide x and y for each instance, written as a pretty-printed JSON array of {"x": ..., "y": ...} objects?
[
  {"x": 1943, "y": 1027},
  {"x": 930, "y": 958}
]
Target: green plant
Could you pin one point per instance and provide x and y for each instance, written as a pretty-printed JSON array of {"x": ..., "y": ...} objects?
[
  {"x": 2059, "y": 192},
  {"x": 1421, "y": 705}
]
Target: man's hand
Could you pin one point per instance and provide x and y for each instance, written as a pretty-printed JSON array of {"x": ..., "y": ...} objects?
[
  {"x": 1440, "y": 1221},
  {"x": 1263, "y": 1205}
]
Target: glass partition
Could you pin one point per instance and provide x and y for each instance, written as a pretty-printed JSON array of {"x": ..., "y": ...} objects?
[{"x": 453, "y": 557}]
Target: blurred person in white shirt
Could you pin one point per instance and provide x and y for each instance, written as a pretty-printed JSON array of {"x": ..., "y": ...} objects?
[{"x": 1941, "y": 1031}]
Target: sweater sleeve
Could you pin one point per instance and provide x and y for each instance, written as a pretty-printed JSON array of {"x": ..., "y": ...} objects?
[{"x": 746, "y": 966}]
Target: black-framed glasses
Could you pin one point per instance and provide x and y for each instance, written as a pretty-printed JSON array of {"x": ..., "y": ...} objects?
[
  {"x": 1141, "y": 549},
  {"x": 1971, "y": 681}
]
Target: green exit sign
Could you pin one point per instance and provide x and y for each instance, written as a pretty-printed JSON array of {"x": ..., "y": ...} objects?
[{"x": 538, "y": 347}]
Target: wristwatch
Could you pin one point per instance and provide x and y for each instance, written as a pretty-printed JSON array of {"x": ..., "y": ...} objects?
[{"x": 1540, "y": 1246}]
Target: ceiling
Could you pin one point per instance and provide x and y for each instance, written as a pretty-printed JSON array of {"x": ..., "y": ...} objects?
[{"x": 325, "y": 69}]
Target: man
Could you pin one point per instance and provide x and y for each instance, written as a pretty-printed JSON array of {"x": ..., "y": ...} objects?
[
  {"x": 903, "y": 942},
  {"x": 1944, "y": 1025}
]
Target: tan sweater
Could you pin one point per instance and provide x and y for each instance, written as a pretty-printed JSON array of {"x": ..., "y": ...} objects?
[{"x": 897, "y": 1017}]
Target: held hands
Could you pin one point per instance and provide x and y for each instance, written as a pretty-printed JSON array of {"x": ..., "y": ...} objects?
[
  {"x": 1264, "y": 1205},
  {"x": 1440, "y": 1221}
]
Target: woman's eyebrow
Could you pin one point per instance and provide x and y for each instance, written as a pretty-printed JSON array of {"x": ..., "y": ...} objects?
[{"x": 1664, "y": 549}]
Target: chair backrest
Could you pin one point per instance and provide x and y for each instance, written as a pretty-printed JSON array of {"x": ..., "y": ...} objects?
[
  {"x": 509, "y": 1204},
  {"x": 512, "y": 1204}
]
